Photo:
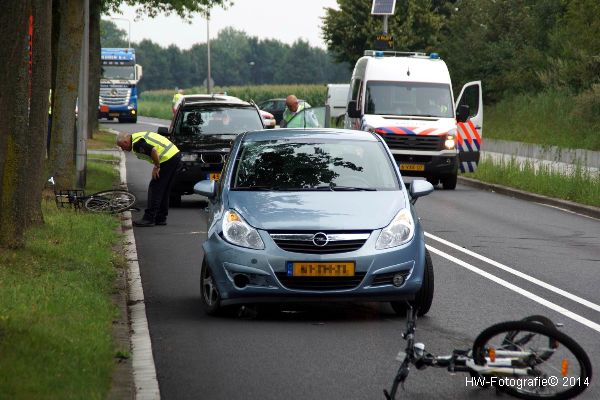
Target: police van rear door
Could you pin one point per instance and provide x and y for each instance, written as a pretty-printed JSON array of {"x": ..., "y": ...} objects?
[{"x": 469, "y": 133}]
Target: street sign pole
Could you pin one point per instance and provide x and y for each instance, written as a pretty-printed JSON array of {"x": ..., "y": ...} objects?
[
  {"x": 208, "y": 80},
  {"x": 82, "y": 118}
]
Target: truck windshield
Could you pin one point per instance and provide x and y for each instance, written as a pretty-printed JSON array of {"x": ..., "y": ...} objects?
[
  {"x": 409, "y": 98},
  {"x": 118, "y": 72}
]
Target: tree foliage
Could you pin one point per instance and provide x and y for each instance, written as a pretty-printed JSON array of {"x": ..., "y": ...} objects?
[
  {"x": 236, "y": 59},
  {"x": 513, "y": 46}
]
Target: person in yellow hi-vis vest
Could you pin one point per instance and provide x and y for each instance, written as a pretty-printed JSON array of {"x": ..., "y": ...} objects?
[
  {"x": 166, "y": 157},
  {"x": 176, "y": 100}
]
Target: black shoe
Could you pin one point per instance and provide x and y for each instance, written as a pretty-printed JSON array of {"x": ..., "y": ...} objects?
[
  {"x": 143, "y": 222},
  {"x": 163, "y": 222}
]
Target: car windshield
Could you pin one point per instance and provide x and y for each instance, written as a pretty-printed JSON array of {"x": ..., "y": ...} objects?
[
  {"x": 311, "y": 164},
  {"x": 217, "y": 120},
  {"x": 409, "y": 98}
]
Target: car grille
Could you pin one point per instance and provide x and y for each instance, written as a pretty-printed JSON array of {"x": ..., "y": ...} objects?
[
  {"x": 114, "y": 96},
  {"x": 320, "y": 283},
  {"x": 212, "y": 158},
  {"x": 302, "y": 242},
  {"x": 414, "y": 142}
]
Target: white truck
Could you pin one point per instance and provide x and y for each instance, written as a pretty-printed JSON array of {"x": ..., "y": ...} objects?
[
  {"x": 407, "y": 98},
  {"x": 337, "y": 98}
]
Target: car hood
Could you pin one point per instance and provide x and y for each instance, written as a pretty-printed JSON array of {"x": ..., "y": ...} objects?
[
  {"x": 317, "y": 210},
  {"x": 204, "y": 142}
]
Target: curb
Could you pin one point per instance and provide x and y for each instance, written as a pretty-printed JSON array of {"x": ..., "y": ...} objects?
[
  {"x": 589, "y": 211},
  {"x": 144, "y": 370}
]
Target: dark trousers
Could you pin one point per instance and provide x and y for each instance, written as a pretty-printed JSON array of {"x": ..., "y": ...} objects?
[{"x": 160, "y": 189}]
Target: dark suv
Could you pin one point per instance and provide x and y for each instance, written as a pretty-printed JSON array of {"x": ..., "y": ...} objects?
[{"x": 203, "y": 130}]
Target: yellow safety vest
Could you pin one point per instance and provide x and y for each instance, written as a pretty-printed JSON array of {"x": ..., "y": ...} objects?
[
  {"x": 163, "y": 146},
  {"x": 176, "y": 98}
]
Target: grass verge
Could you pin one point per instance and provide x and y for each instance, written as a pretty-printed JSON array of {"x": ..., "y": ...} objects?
[
  {"x": 581, "y": 186},
  {"x": 102, "y": 140},
  {"x": 56, "y": 312},
  {"x": 549, "y": 118}
]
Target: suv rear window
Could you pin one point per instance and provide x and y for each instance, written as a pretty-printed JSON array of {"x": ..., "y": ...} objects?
[{"x": 217, "y": 119}]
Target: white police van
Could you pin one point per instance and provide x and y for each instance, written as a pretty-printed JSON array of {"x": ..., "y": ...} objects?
[{"x": 407, "y": 98}]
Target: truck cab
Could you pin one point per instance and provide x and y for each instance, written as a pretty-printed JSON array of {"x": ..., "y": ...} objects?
[
  {"x": 407, "y": 98},
  {"x": 118, "y": 85}
]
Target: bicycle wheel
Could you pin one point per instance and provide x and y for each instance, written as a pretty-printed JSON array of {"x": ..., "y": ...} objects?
[
  {"x": 544, "y": 363},
  {"x": 112, "y": 201}
]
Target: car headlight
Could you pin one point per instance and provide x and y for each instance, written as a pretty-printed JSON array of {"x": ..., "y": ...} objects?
[
  {"x": 237, "y": 231},
  {"x": 450, "y": 142},
  {"x": 399, "y": 231}
]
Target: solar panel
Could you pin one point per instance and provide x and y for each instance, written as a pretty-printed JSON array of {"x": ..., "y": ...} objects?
[{"x": 383, "y": 7}]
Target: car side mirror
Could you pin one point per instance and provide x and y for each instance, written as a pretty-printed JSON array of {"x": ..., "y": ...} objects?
[
  {"x": 206, "y": 188},
  {"x": 163, "y": 131},
  {"x": 419, "y": 188},
  {"x": 352, "y": 110},
  {"x": 462, "y": 114}
]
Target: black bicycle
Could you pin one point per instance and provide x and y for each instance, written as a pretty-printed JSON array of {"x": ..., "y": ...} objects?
[
  {"x": 528, "y": 359},
  {"x": 107, "y": 201}
]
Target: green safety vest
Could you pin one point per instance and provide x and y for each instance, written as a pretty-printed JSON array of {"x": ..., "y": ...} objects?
[
  {"x": 163, "y": 146},
  {"x": 176, "y": 98},
  {"x": 287, "y": 115}
]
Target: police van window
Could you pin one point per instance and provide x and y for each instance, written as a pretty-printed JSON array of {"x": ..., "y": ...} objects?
[
  {"x": 355, "y": 88},
  {"x": 470, "y": 97},
  {"x": 409, "y": 98}
]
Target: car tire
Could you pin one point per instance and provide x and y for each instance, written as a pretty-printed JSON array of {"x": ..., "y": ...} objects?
[
  {"x": 209, "y": 294},
  {"x": 449, "y": 182},
  {"x": 424, "y": 296},
  {"x": 434, "y": 180},
  {"x": 175, "y": 200}
]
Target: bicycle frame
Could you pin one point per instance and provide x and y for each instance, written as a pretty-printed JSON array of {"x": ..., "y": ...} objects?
[{"x": 504, "y": 363}]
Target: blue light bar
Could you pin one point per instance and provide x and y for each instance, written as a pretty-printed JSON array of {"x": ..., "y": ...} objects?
[
  {"x": 434, "y": 56},
  {"x": 379, "y": 53}
]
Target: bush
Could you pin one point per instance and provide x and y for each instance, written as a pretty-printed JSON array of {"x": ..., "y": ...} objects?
[{"x": 587, "y": 105}]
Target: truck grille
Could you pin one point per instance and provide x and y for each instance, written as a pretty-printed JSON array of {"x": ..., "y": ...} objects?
[
  {"x": 114, "y": 96},
  {"x": 320, "y": 242},
  {"x": 320, "y": 283},
  {"x": 414, "y": 142}
]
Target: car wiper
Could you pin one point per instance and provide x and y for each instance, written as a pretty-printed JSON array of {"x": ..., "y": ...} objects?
[
  {"x": 352, "y": 189},
  {"x": 253, "y": 188}
]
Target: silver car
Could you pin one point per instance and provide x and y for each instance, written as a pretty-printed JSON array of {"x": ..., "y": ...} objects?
[{"x": 313, "y": 215}]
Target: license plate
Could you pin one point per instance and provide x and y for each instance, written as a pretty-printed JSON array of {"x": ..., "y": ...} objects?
[
  {"x": 320, "y": 269},
  {"x": 103, "y": 108},
  {"x": 113, "y": 114},
  {"x": 215, "y": 176},
  {"x": 412, "y": 167}
]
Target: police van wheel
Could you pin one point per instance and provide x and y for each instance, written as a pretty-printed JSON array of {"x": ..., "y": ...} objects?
[{"x": 449, "y": 182}]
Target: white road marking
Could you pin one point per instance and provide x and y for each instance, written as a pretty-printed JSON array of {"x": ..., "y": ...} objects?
[
  {"x": 520, "y": 274},
  {"x": 569, "y": 314}
]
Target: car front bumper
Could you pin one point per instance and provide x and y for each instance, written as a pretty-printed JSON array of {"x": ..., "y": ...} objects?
[{"x": 265, "y": 272}]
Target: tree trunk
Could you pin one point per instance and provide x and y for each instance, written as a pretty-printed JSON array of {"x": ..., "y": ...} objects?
[
  {"x": 34, "y": 166},
  {"x": 64, "y": 93},
  {"x": 14, "y": 105},
  {"x": 94, "y": 74}
]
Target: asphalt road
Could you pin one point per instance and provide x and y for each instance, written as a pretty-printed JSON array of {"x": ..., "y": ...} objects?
[{"x": 348, "y": 351}]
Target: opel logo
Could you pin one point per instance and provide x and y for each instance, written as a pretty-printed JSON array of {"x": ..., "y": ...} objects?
[{"x": 320, "y": 239}]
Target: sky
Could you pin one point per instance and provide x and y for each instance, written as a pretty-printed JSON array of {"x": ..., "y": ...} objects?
[{"x": 284, "y": 20}]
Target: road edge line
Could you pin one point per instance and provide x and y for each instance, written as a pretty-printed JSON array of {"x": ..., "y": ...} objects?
[{"x": 142, "y": 360}]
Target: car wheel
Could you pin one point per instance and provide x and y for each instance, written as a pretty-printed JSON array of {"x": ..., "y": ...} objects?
[
  {"x": 433, "y": 180},
  {"x": 449, "y": 182},
  {"x": 174, "y": 200},
  {"x": 209, "y": 294},
  {"x": 424, "y": 296}
]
